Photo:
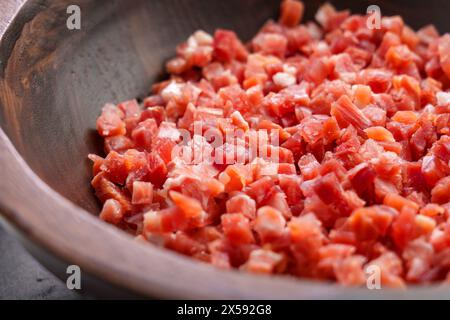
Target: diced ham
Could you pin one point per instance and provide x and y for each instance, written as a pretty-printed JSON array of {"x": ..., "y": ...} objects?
[
  {"x": 346, "y": 113},
  {"x": 142, "y": 193},
  {"x": 110, "y": 122},
  {"x": 269, "y": 223},
  {"x": 263, "y": 261},
  {"x": 236, "y": 228},
  {"x": 112, "y": 212},
  {"x": 441, "y": 192},
  {"x": 318, "y": 151},
  {"x": 242, "y": 203},
  {"x": 291, "y": 13},
  {"x": 444, "y": 53}
]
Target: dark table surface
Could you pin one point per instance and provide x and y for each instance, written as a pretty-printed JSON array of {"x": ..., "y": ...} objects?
[{"x": 22, "y": 277}]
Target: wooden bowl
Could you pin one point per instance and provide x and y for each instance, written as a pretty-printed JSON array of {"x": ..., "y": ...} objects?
[{"x": 53, "y": 82}]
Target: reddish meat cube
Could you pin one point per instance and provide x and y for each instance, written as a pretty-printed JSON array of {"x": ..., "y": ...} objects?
[
  {"x": 442, "y": 123},
  {"x": 441, "y": 149},
  {"x": 105, "y": 189},
  {"x": 157, "y": 169},
  {"x": 228, "y": 47},
  {"x": 291, "y": 188},
  {"x": 284, "y": 102},
  {"x": 130, "y": 108},
  {"x": 235, "y": 96},
  {"x": 404, "y": 227},
  {"x": 110, "y": 122},
  {"x": 142, "y": 193},
  {"x": 398, "y": 202},
  {"x": 326, "y": 93},
  {"x": 332, "y": 165},
  {"x": 307, "y": 236},
  {"x": 413, "y": 176},
  {"x": 269, "y": 223},
  {"x": 291, "y": 13},
  {"x": 185, "y": 243},
  {"x": 317, "y": 71},
  {"x": 118, "y": 144},
  {"x": 332, "y": 254},
  {"x": 428, "y": 34},
  {"x": 409, "y": 37},
  {"x": 190, "y": 207},
  {"x": 263, "y": 261},
  {"x": 242, "y": 203},
  {"x": 259, "y": 189},
  {"x": 432, "y": 210},
  {"x": 328, "y": 188},
  {"x": 286, "y": 168},
  {"x": 235, "y": 177},
  {"x": 379, "y": 80},
  {"x": 346, "y": 113},
  {"x": 329, "y": 18},
  {"x": 421, "y": 139},
  {"x": 166, "y": 220},
  {"x": 153, "y": 101},
  {"x": 112, "y": 212},
  {"x": 144, "y": 134},
  {"x": 349, "y": 271},
  {"x": 379, "y": 134},
  {"x": 418, "y": 255},
  {"x": 163, "y": 147},
  {"x": 362, "y": 178},
  {"x": 218, "y": 76},
  {"x": 298, "y": 37},
  {"x": 433, "y": 169},
  {"x": 115, "y": 167},
  {"x": 157, "y": 113},
  {"x": 278, "y": 154},
  {"x": 177, "y": 65},
  {"x": 399, "y": 56},
  {"x": 97, "y": 163},
  {"x": 405, "y": 117},
  {"x": 331, "y": 130},
  {"x": 295, "y": 144},
  {"x": 444, "y": 53},
  {"x": 270, "y": 44},
  {"x": 312, "y": 130},
  {"x": 135, "y": 161},
  {"x": 429, "y": 89},
  {"x": 441, "y": 192},
  {"x": 309, "y": 167},
  {"x": 362, "y": 95},
  {"x": 278, "y": 201},
  {"x": 236, "y": 228},
  {"x": 370, "y": 223}
]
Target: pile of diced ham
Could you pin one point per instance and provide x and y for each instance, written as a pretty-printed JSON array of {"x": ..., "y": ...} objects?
[{"x": 362, "y": 176}]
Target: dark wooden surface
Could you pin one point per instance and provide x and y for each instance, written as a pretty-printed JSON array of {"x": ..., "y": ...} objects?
[
  {"x": 53, "y": 82},
  {"x": 22, "y": 277}
]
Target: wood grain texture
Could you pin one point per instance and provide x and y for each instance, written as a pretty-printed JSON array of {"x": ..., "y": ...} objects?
[{"x": 52, "y": 84}]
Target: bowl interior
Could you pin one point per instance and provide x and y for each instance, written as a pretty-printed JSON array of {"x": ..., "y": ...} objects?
[{"x": 54, "y": 81}]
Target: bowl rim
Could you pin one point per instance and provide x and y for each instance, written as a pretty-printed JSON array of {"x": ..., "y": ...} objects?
[{"x": 66, "y": 230}]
